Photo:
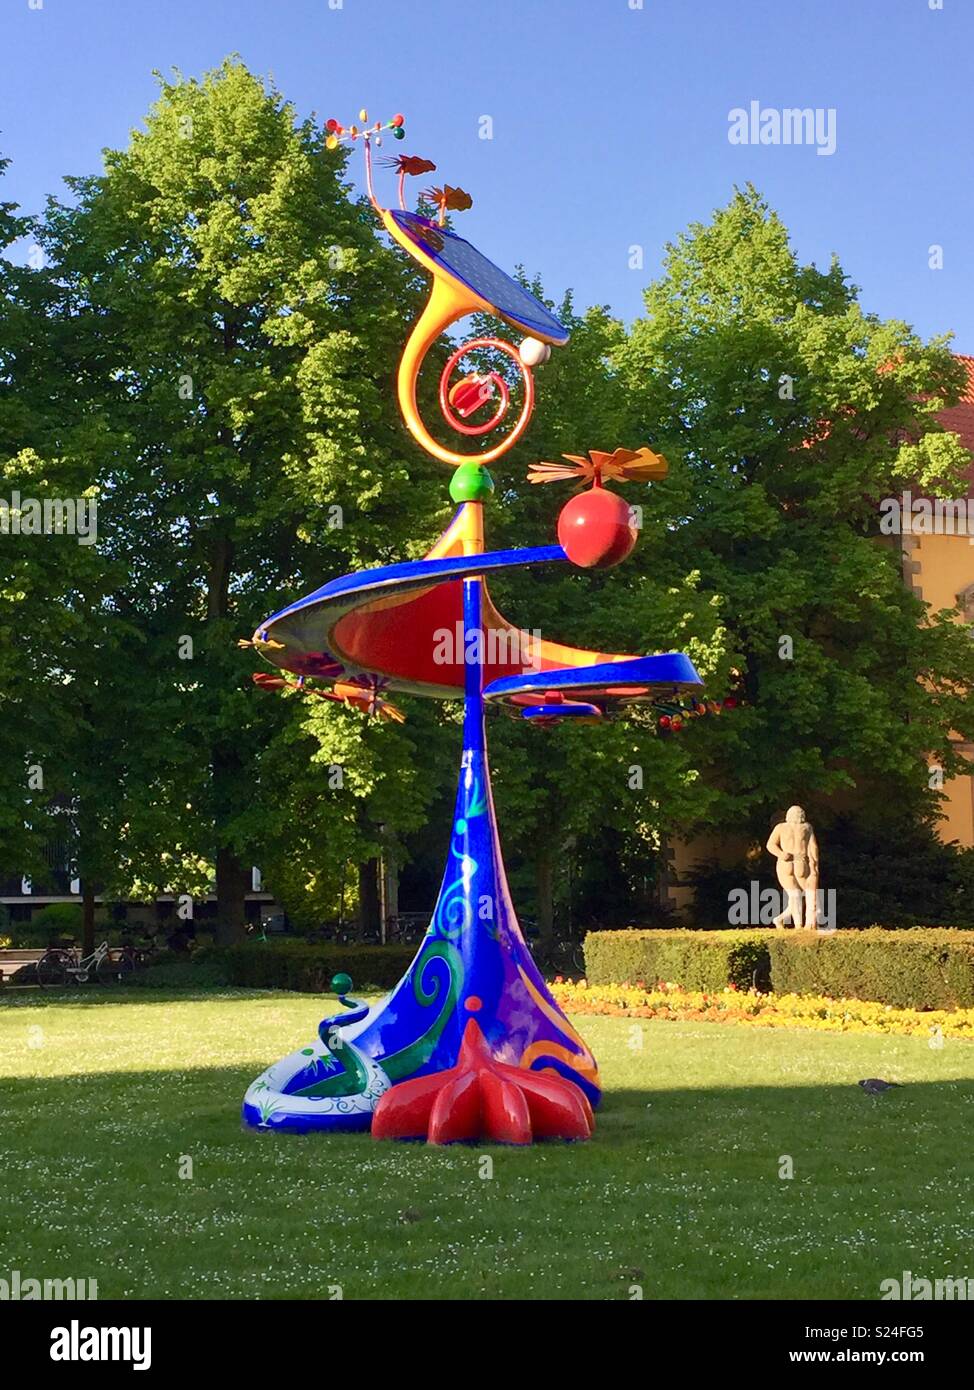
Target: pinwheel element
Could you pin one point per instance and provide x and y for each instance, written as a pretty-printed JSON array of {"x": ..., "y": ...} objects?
[
  {"x": 448, "y": 199},
  {"x": 555, "y": 708},
  {"x": 267, "y": 680},
  {"x": 625, "y": 465},
  {"x": 337, "y": 134},
  {"x": 361, "y": 693},
  {"x": 408, "y": 164},
  {"x": 483, "y": 1099},
  {"x": 412, "y": 164}
]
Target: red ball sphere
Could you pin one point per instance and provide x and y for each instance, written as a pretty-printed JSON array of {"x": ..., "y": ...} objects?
[{"x": 595, "y": 529}]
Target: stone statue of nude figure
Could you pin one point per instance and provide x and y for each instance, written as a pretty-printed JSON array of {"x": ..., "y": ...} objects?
[{"x": 795, "y": 849}]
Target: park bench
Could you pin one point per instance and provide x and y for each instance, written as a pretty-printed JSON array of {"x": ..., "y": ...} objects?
[{"x": 12, "y": 960}]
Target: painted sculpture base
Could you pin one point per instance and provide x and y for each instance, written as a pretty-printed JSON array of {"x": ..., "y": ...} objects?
[{"x": 473, "y": 1003}]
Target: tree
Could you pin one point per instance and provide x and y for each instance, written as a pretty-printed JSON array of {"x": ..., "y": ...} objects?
[
  {"x": 228, "y": 315},
  {"x": 789, "y": 413},
  {"x": 14, "y": 836},
  {"x": 588, "y": 786},
  {"x": 335, "y": 790},
  {"x": 47, "y": 576}
]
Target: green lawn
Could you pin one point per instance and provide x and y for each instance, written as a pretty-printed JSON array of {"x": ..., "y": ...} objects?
[{"x": 679, "y": 1192}]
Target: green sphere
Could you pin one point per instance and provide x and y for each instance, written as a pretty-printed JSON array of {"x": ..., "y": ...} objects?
[
  {"x": 471, "y": 483},
  {"x": 341, "y": 983}
]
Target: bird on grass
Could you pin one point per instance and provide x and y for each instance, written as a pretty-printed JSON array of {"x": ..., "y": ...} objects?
[{"x": 875, "y": 1086}]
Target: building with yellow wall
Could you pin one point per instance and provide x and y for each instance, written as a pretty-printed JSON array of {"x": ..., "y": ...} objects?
[{"x": 938, "y": 566}]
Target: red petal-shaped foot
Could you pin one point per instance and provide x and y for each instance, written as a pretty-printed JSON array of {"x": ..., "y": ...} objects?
[
  {"x": 456, "y": 1110},
  {"x": 481, "y": 1098},
  {"x": 559, "y": 1109},
  {"x": 505, "y": 1111},
  {"x": 404, "y": 1112}
]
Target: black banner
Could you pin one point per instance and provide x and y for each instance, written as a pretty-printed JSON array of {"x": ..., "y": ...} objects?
[{"x": 178, "y": 1338}]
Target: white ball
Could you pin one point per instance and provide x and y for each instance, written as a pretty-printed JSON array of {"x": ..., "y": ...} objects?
[{"x": 532, "y": 352}]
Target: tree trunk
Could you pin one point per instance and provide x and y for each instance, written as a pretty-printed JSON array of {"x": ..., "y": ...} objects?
[
  {"x": 87, "y": 917},
  {"x": 389, "y": 872},
  {"x": 369, "y": 902},
  {"x": 232, "y": 877},
  {"x": 544, "y": 878},
  {"x": 232, "y": 883}
]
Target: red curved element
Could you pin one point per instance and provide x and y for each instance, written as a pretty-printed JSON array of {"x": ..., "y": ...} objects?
[
  {"x": 483, "y": 1099},
  {"x": 446, "y": 406},
  {"x": 469, "y": 395}
]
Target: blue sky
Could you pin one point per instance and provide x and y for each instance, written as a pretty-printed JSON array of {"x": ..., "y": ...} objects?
[{"x": 610, "y": 120}]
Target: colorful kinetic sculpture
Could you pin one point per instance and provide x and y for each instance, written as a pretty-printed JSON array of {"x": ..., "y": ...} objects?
[{"x": 470, "y": 1045}]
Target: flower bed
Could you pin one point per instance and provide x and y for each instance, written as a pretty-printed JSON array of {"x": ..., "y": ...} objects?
[{"x": 669, "y": 1001}]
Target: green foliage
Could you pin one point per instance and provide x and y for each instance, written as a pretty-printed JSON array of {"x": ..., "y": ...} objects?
[
  {"x": 899, "y": 873},
  {"x": 57, "y": 919},
  {"x": 931, "y": 969},
  {"x": 713, "y": 883},
  {"x": 890, "y": 870},
  {"x": 336, "y": 790},
  {"x": 221, "y": 324},
  {"x": 174, "y": 972},
  {"x": 787, "y": 413},
  {"x": 695, "y": 960},
  {"x": 310, "y": 968}
]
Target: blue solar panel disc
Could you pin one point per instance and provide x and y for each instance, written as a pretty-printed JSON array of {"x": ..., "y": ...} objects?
[{"x": 466, "y": 264}]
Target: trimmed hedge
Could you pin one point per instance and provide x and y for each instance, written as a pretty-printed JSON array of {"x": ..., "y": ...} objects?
[
  {"x": 308, "y": 968},
  {"x": 707, "y": 960},
  {"x": 920, "y": 968},
  {"x": 203, "y": 971}
]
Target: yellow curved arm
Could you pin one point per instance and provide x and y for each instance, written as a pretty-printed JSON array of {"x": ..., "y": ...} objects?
[
  {"x": 447, "y": 303},
  {"x": 449, "y": 300}
]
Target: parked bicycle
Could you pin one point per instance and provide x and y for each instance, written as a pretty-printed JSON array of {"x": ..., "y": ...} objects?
[
  {"x": 559, "y": 955},
  {"x": 407, "y": 928},
  {"x": 332, "y": 933},
  {"x": 63, "y": 965},
  {"x": 141, "y": 953},
  {"x": 275, "y": 925}
]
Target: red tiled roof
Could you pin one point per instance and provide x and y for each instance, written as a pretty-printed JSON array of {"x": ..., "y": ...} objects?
[{"x": 959, "y": 418}]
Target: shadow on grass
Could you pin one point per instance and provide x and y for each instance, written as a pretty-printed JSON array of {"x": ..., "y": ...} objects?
[
  {"x": 92, "y": 995},
  {"x": 833, "y": 1118},
  {"x": 684, "y": 1192}
]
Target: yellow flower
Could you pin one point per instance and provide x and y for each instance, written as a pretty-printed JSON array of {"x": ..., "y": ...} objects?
[{"x": 764, "y": 1010}]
